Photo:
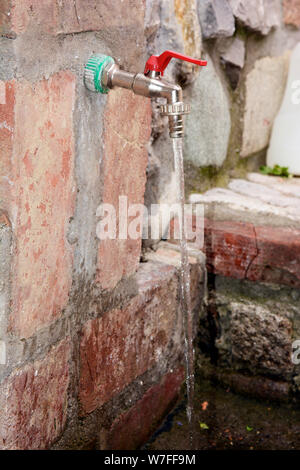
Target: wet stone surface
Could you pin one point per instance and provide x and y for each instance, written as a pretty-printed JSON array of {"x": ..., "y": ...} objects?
[{"x": 226, "y": 421}]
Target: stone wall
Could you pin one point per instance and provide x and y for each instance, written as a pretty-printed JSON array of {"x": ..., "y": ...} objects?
[{"x": 234, "y": 99}]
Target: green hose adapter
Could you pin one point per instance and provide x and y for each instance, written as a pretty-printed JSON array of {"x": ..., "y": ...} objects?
[{"x": 93, "y": 72}]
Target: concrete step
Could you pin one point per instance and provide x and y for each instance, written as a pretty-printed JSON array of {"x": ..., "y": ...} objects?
[{"x": 252, "y": 229}]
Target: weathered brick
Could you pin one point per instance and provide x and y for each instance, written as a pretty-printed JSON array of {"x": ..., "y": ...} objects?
[
  {"x": 39, "y": 170},
  {"x": 134, "y": 427},
  {"x": 33, "y": 402},
  {"x": 123, "y": 344},
  {"x": 291, "y": 12},
  {"x": 166, "y": 253},
  {"x": 126, "y": 130},
  {"x": 278, "y": 257},
  {"x": 69, "y": 16},
  {"x": 229, "y": 247},
  {"x": 7, "y": 123},
  {"x": 258, "y": 253},
  {"x": 37, "y": 14},
  {"x": 92, "y": 15}
]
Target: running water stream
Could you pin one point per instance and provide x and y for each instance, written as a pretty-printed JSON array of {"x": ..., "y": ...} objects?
[{"x": 185, "y": 293}]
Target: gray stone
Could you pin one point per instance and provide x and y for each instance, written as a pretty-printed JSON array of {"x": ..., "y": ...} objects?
[
  {"x": 161, "y": 185},
  {"x": 233, "y": 59},
  {"x": 179, "y": 31},
  {"x": 208, "y": 124},
  {"x": 225, "y": 204},
  {"x": 152, "y": 19},
  {"x": 287, "y": 186},
  {"x": 234, "y": 53},
  {"x": 266, "y": 194},
  {"x": 254, "y": 338},
  {"x": 5, "y": 260},
  {"x": 258, "y": 15},
  {"x": 216, "y": 18},
  {"x": 265, "y": 86}
]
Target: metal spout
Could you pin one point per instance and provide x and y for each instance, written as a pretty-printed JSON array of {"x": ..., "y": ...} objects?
[{"x": 151, "y": 86}]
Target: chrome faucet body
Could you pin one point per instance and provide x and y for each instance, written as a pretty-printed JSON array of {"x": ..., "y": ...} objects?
[
  {"x": 102, "y": 74},
  {"x": 150, "y": 87}
]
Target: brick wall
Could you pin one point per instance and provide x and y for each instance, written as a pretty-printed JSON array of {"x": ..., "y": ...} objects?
[{"x": 87, "y": 334}]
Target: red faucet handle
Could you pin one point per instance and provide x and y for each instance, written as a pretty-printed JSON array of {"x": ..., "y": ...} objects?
[{"x": 158, "y": 63}]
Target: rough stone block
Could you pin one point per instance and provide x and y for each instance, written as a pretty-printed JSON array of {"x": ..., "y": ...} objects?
[
  {"x": 266, "y": 194},
  {"x": 286, "y": 186},
  {"x": 33, "y": 402},
  {"x": 133, "y": 428},
  {"x": 40, "y": 200},
  {"x": 233, "y": 58},
  {"x": 253, "y": 337},
  {"x": 234, "y": 53},
  {"x": 225, "y": 204},
  {"x": 259, "y": 15},
  {"x": 216, "y": 18},
  {"x": 123, "y": 169},
  {"x": 265, "y": 86},
  {"x": 207, "y": 138}
]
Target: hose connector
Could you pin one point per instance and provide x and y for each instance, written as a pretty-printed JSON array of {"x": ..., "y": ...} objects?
[{"x": 175, "y": 112}]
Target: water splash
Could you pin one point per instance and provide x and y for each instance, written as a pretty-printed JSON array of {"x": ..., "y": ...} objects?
[{"x": 185, "y": 291}]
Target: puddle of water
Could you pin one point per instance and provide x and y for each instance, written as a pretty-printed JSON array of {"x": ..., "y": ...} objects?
[{"x": 226, "y": 421}]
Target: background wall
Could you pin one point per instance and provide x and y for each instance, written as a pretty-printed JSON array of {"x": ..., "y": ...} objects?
[{"x": 90, "y": 339}]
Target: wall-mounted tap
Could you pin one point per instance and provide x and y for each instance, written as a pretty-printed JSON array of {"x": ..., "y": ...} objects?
[{"x": 102, "y": 73}]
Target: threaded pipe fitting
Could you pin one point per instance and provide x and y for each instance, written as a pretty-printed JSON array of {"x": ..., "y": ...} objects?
[{"x": 175, "y": 112}]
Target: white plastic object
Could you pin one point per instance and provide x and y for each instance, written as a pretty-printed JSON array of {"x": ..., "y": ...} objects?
[{"x": 284, "y": 149}]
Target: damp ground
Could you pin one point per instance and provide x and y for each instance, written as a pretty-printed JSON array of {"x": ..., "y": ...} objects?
[{"x": 224, "y": 420}]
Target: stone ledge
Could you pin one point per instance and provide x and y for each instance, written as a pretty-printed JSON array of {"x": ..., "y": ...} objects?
[{"x": 252, "y": 229}]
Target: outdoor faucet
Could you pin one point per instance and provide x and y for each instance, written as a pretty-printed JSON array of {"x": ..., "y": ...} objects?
[{"x": 102, "y": 73}]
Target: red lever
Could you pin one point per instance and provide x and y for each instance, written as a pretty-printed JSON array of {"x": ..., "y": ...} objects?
[{"x": 158, "y": 63}]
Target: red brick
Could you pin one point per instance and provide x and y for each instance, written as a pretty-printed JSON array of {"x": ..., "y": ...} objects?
[
  {"x": 33, "y": 402},
  {"x": 291, "y": 12},
  {"x": 69, "y": 16},
  {"x": 39, "y": 169},
  {"x": 229, "y": 247},
  {"x": 278, "y": 258},
  {"x": 92, "y": 15},
  {"x": 266, "y": 254},
  {"x": 43, "y": 14},
  {"x": 7, "y": 122},
  {"x": 123, "y": 344},
  {"x": 133, "y": 428},
  {"x": 126, "y": 131}
]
